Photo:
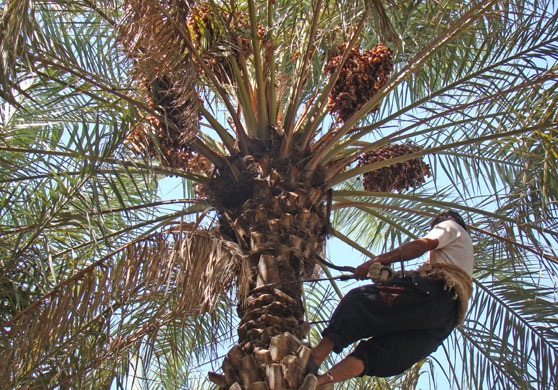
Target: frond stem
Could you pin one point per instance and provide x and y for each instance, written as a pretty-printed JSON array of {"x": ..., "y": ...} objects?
[
  {"x": 338, "y": 178},
  {"x": 318, "y": 108},
  {"x": 262, "y": 130},
  {"x": 224, "y": 135},
  {"x": 244, "y": 97},
  {"x": 303, "y": 72},
  {"x": 353, "y": 244},
  {"x": 465, "y": 20}
]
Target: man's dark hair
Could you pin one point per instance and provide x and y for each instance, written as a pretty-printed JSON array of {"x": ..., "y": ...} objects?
[{"x": 448, "y": 214}]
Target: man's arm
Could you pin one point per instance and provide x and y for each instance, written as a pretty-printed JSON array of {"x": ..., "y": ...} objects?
[{"x": 408, "y": 251}]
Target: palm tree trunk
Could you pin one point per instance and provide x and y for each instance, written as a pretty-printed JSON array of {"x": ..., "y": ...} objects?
[{"x": 281, "y": 221}]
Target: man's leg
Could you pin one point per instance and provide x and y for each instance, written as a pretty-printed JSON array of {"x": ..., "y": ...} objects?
[
  {"x": 347, "y": 368},
  {"x": 347, "y": 312},
  {"x": 394, "y": 353},
  {"x": 369, "y": 311},
  {"x": 320, "y": 351},
  {"x": 387, "y": 355},
  {"x": 350, "y": 322}
]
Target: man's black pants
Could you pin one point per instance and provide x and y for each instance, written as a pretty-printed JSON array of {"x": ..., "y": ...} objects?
[{"x": 404, "y": 320}]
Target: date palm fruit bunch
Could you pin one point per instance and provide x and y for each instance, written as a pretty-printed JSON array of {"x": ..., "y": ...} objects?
[
  {"x": 362, "y": 75},
  {"x": 219, "y": 43},
  {"x": 161, "y": 136},
  {"x": 167, "y": 82},
  {"x": 396, "y": 177}
]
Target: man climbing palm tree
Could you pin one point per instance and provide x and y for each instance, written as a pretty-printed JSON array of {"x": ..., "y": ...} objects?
[{"x": 405, "y": 318}]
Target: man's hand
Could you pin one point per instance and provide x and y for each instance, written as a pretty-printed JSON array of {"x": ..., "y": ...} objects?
[
  {"x": 361, "y": 271},
  {"x": 408, "y": 251}
]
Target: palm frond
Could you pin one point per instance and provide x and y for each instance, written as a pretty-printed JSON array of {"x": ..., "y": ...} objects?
[
  {"x": 384, "y": 28},
  {"x": 515, "y": 350},
  {"x": 440, "y": 43},
  {"x": 17, "y": 26},
  {"x": 126, "y": 296},
  {"x": 87, "y": 298}
]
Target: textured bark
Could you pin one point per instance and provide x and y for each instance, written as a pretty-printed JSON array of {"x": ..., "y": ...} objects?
[
  {"x": 278, "y": 216},
  {"x": 283, "y": 369}
]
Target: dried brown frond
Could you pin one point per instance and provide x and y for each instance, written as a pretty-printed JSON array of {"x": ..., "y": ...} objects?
[
  {"x": 396, "y": 177},
  {"x": 150, "y": 38},
  {"x": 150, "y": 282},
  {"x": 212, "y": 265},
  {"x": 18, "y": 28}
]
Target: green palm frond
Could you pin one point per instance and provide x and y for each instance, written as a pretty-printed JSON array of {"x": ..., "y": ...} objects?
[{"x": 513, "y": 345}]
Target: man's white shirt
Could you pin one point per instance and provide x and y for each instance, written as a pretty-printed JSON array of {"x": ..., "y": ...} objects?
[{"x": 454, "y": 246}]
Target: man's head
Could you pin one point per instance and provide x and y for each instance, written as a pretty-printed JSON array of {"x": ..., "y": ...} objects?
[{"x": 448, "y": 215}]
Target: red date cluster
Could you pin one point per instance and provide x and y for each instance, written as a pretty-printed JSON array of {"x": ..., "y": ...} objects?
[
  {"x": 396, "y": 177},
  {"x": 159, "y": 139},
  {"x": 362, "y": 75}
]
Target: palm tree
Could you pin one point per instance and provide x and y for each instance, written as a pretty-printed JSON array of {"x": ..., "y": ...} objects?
[{"x": 289, "y": 123}]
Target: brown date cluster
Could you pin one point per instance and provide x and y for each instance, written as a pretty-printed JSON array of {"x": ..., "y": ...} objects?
[
  {"x": 158, "y": 139},
  {"x": 362, "y": 75},
  {"x": 396, "y": 177},
  {"x": 219, "y": 43}
]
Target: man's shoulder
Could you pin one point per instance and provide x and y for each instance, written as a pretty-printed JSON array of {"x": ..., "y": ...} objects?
[{"x": 451, "y": 225}]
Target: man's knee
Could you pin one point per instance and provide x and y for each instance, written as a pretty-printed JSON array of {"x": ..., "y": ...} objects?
[
  {"x": 392, "y": 354},
  {"x": 357, "y": 364}
]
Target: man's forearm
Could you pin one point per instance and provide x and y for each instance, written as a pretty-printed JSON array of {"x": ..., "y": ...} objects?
[
  {"x": 408, "y": 251},
  {"x": 389, "y": 257}
]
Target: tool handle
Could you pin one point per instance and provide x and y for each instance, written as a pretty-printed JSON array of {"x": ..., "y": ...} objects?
[{"x": 346, "y": 277}]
